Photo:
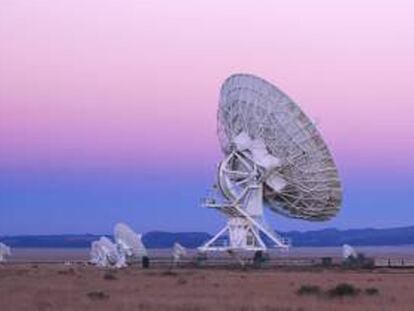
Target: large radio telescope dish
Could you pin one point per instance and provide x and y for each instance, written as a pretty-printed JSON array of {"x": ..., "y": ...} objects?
[
  {"x": 251, "y": 105},
  {"x": 274, "y": 157}
]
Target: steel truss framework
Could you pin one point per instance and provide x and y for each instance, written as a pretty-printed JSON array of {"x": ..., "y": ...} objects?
[
  {"x": 243, "y": 228},
  {"x": 274, "y": 156}
]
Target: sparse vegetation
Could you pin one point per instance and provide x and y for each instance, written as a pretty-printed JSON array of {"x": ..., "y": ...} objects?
[
  {"x": 309, "y": 290},
  {"x": 173, "y": 289},
  {"x": 371, "y": 291},
  {"x": 98, "y": 295},
  {"x": 109, "y": 276},
  {"x": 182, "y": 281},
  {"x": 339, "y": 291},
  {"x": 22, "y": 272},
  {"x": 343, "y": 290},
  {"x": 70, "y": 271},
  {"x": 169, "y": 273}
]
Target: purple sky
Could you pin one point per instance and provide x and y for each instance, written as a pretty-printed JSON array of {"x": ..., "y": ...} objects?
[{"x": 108, "y": 108}]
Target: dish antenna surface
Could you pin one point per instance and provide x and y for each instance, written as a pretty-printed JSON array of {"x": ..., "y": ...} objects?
[
  {"x": 348, "y": 252},
  {"x": 5, "y": 252},
  {"x": 274, "y": 157},
  {"x": 129, "y": 243},
  {"x": 104, "y": 253}
]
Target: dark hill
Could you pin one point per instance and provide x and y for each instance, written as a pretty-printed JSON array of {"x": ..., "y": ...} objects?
[{"x": 159, "y": 239}]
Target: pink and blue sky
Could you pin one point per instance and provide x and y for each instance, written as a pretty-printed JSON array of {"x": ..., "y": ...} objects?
[{"x": 108, "y": 107}]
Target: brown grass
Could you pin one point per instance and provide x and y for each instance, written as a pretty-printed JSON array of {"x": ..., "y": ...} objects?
[{"x": 80, "y": 287}]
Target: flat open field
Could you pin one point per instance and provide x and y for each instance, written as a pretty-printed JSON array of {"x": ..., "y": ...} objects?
[{"x": 81, "y": 287}]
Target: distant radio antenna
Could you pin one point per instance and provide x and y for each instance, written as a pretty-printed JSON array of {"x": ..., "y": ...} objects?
[
  {"x": 273, "y": 156},
  {"x": 348, "y": 252},
  {"x": 178, "y": 252},
  {"x": 5, "y": 252},
  {"x": 104, "y": 253},
  {"x": 129, "y": 243}
]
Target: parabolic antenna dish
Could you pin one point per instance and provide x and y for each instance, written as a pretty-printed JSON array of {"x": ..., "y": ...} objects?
[
  {"x": 104, "y": 253},
  {"x": 129, "y": 243},
  {"x": 261, "y": 129},
  {"x": 348, "y": 252},
  {"x": 178, "y": 251}
]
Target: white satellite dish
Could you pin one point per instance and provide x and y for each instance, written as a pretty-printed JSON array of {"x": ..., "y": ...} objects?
[
  {"x": 129, "y": 243},
  {"x": 104, "y": 253},
  {"x": 178, "y": 252},
  {"x": 5, "y": 252},
  {"x": 348, "y": 252},
  {"x": 96, "y": 254},
  {"x": 274, "y": 157}
]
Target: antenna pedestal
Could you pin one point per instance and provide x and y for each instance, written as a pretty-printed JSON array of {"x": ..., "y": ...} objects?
[
  {"x": 241, "y": 234},
  {"x": 245, "y": 226}
]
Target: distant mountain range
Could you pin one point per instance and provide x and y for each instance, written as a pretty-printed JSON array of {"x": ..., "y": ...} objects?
[{"x": 158, "y": 239}]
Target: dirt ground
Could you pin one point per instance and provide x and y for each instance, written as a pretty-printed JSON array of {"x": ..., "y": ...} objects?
[{"x": 41, "y": 287}]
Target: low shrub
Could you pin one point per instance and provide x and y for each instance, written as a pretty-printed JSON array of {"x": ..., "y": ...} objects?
[
  {"x": 309, "y": 290},
  {"x": 339, "y": 291},
  {"x": 343, "y": 290},
  {"x": 69, "y": 271},
  {"x": 371, "y": 291},
  {"x": 109, "y": 276},
  {"x": 169, "y": 273},
  {"x": 97, "y": 295},
  {"x": 182, "y": 281}
]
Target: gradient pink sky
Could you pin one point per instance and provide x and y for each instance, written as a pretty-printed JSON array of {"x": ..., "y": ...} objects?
[{"x": 119, "y": 84}]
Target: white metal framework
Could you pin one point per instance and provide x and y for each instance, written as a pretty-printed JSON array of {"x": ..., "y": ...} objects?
[
  {"x": 246, "y": 226},
  {"x": 178, "y": 252},
  {"x": 104, "y": 253},
  {"x": 5, "y": 252},
  {"x": 274, "y": 156}
]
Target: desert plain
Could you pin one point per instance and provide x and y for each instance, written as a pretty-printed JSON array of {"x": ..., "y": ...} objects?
[{"x": 47, "y": 286}]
